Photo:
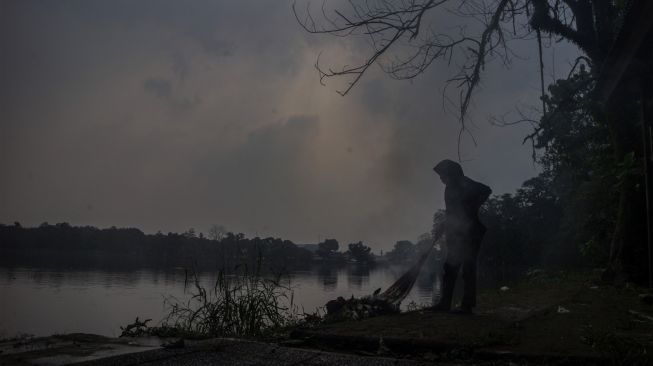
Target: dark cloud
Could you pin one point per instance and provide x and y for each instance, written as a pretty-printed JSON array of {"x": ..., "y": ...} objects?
[
  {"x": 274, "y": 156},
  {"x": 217, "y": 47},
  {"x": 180, "y": 65},
  {"x": 160, "y": 88},
  {"x": 169, "y": 115},
  {"x": 267, "y": 178}
]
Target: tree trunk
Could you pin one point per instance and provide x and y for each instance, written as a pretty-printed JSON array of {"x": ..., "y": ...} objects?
[
  {"x": 615, "y": 265},
  {"x": 628, "y": 235}
]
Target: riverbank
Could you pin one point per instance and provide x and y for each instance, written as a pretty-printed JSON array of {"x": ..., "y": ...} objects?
[
  {"x": 85, "y": 349},
  {"x": 560, "y": 319}
]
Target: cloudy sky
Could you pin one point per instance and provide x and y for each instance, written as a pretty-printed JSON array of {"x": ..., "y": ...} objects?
[{"x": 167, "y": 115}]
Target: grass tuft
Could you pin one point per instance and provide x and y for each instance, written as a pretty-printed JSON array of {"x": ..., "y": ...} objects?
[{"x": 243, "y": 304}]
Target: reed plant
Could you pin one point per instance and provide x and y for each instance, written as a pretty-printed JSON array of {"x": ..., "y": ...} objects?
[{"x": 242, "y": 303}]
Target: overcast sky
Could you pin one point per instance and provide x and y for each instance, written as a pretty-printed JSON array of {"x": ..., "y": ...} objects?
[{"x": 167, "y": 115}]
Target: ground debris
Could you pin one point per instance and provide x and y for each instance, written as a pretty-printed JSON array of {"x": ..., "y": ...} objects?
[
  {"x": 359, "y": 308},
  {"x": 563, "y": 310},
  {"x": 135, "y": 329}
]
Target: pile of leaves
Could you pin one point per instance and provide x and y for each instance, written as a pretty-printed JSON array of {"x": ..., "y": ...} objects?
[
  {"x": 358, "y": 308},
  {"x": 378, "y": 303}
]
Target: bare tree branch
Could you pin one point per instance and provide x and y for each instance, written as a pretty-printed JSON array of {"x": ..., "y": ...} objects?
[{"x": 398, "y": 26}]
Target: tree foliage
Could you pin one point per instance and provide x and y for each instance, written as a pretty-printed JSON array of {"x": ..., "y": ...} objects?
[
  {"x": 402, "y": 252},
  {"x": 567, "y": 214},
  {"x": 591, "y": 147},
  {"x": 360, "y": 253},
  {"x": 328, "y": 250}
]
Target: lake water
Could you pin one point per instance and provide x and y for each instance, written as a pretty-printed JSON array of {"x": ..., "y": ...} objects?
[{"x": 45, "y": 301}]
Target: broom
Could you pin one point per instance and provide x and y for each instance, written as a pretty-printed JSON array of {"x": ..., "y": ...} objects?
[{"x": 400, "y": 289}]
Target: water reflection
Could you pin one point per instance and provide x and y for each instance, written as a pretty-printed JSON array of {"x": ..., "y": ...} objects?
[
  {"x": 427, "y": 281},
  {"x": 358, "y": 276},
  {"x": 328, "y": 276},
  {"x": 46, "y": 301}
]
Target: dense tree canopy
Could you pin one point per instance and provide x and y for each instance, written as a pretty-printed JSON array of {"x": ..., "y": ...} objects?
[{"x": 328, "y": 250}]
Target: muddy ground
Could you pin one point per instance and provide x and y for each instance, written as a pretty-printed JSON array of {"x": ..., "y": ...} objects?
[{"x": 546, "y": 319}]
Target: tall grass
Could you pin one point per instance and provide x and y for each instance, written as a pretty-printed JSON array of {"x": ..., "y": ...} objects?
[{"x": 241, "y": 304}]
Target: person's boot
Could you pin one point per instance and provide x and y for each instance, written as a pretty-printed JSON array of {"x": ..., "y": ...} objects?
[
  {"x": 440, "y": 307},
  {"x": 448, "y": 284}
]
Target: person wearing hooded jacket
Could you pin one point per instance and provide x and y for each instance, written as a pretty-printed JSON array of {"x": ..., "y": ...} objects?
[{"x": 463, "y": 232}]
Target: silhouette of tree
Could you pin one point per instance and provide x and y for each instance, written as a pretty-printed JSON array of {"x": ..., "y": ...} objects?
[
  {"x": 328, "y": 249},
  {"x": 360, "y": 252},
  {"x": 403, "y": 251},
  {"x": 216, "y": 232},
  {"x": 190, "y": 233},
  {"x": 405, "y": 41}
]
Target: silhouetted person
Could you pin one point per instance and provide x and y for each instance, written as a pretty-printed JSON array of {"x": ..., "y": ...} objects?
[{"x": 463, "y": 231}]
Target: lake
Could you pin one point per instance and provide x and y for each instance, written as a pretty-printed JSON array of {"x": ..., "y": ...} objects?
[{"x": 47, "y": 301}]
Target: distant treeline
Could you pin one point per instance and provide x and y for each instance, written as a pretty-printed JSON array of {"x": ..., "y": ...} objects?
[{"x": 66, "y": 246}]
